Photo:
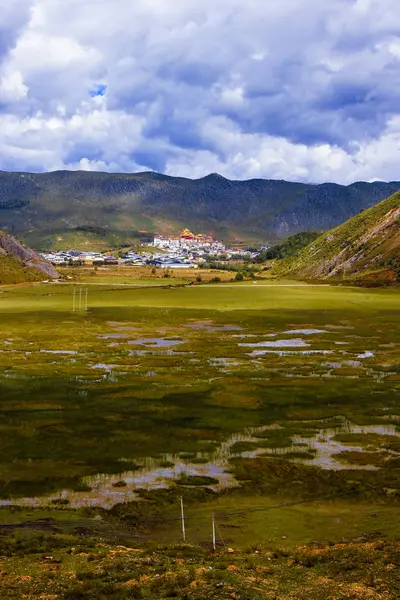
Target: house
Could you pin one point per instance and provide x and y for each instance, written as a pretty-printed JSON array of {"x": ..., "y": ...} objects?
[{"x": 172, "y": 263}]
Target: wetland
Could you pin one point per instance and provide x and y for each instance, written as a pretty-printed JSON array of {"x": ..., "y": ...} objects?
[{"x": 232, "y": 398}]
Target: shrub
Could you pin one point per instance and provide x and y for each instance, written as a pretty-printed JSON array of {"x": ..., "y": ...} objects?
[
  {"x": 239, "y": 276},
  {"x": 215, "y": 280}
]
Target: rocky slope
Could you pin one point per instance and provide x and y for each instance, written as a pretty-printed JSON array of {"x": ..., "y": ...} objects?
[
  {"x": 19, "y": 263},
  {"x": 365, "y": 247},
  {"x": 117, "y": 206}
]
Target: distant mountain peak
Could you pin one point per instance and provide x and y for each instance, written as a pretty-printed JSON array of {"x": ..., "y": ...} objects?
[{"x": 216, "y": 176}]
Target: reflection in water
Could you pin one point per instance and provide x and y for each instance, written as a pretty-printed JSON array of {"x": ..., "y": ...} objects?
[
  {"x": 58, "y": 351},
  {"x": 157, "y": 473},
  {"x": 305, "y": 331},
  {"x": 290, "y": 352},
  {"x": 155, "y": 342},
  {"x": 318, "y": 444},
  {"x": 211, "y": 327},
  {"x": 293, "y": 343}
]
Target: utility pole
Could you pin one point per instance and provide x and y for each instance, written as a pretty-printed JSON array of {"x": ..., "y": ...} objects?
[
  {"x": 183, "y": 521},
  {"x": 73, "y": 298},
  {"x": 213, "y": 533},
  {"x": 80, "y": 299},
  {"x": 86, "y": 299}
]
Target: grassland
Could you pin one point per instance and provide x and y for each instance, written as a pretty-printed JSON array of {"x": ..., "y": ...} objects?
[
  {"x": 275, "y": 406},
  {"x": 95, "y": 570},
  {"x": 141, "y": 275}
]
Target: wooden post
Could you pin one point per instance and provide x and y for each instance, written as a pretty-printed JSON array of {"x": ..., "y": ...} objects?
[
  {"x": 213, "y": 533},
  {"x": 183, "y": 521}
]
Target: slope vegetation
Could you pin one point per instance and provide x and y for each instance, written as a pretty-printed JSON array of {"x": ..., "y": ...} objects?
[
  {"x": 120, "y": 208},
  {"x": 19, "y": 264},
  {"x": 289, "y": 247},
  {"x": 367, "y": 247}
]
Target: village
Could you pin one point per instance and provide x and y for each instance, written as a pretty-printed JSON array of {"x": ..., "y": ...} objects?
[{"x": 186, "y": 251}]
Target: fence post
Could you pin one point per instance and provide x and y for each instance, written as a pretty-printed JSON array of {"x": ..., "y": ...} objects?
[
  {"x": 213, "y": 533},
  {"x": 183, "y": 521}
]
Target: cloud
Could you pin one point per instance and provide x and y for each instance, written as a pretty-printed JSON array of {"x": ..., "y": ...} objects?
[{"x": 290, "y": 89}]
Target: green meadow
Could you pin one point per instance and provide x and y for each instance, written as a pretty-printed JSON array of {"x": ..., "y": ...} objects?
[{"x": 273, "y": 405}]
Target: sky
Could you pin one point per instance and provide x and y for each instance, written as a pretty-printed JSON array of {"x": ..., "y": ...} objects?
[{"x": 304, "y": 90}]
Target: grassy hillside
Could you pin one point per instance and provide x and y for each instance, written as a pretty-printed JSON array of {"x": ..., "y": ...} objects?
[
  {"x": 13, "y": 270},
  {"x": 365, "y": 247},
  {"x": 115, "y": 209},
  {"x": 20, "y": 264},
  {"x": 290, "y": 247}
]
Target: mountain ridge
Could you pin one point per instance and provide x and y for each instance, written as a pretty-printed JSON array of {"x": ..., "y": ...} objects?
[{"x": 39, "y": 206}]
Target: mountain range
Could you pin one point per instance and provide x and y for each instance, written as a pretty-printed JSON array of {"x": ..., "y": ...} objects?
[
  {"x": 366, "y": 247},
  {"x": 117, "y": 208}
]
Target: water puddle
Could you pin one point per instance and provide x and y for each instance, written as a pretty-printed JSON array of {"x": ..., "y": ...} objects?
[
  {"x": 155, "y": 342},
  {"x": 210, "y": 326},
  {"x": 59, "y": 351},
  {"x": 293, "y": 343},
  {"x": 322, "y": 445},
  {"x": 106, "y": 490},
  {"x": 366, "y": 355},
  {"x": 345, "y": 363},
  {"x": 305, "y": 331},
  {"x": 156, "y": 473},
  {"x": 290, "y": 352}
]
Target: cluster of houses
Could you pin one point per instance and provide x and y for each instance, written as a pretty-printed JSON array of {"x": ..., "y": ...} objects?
[
  {"x": 195, "y": 247},
  {"x": 75, "y": 257},
  {"x": 187, "y": 251}
]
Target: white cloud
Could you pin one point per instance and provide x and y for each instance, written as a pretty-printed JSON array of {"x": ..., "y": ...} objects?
[
  {"x": 12, "y": 87},
  {"x": 290, "y": 89}
]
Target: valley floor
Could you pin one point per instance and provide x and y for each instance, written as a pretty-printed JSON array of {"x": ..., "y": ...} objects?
[{"x": 274, "y": 407}]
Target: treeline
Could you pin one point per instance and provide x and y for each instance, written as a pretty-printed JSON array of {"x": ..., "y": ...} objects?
[
  {"x": 235, "y": 267},
  {"x": 291, "y": 246}
]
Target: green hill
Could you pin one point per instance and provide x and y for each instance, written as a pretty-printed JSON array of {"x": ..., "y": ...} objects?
[
  {"x": 110, "y": 209},
  {"x": 289, "y": 247},
  {"x": 19, "y": 264},
  {"x": 365, "y": 247}
]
